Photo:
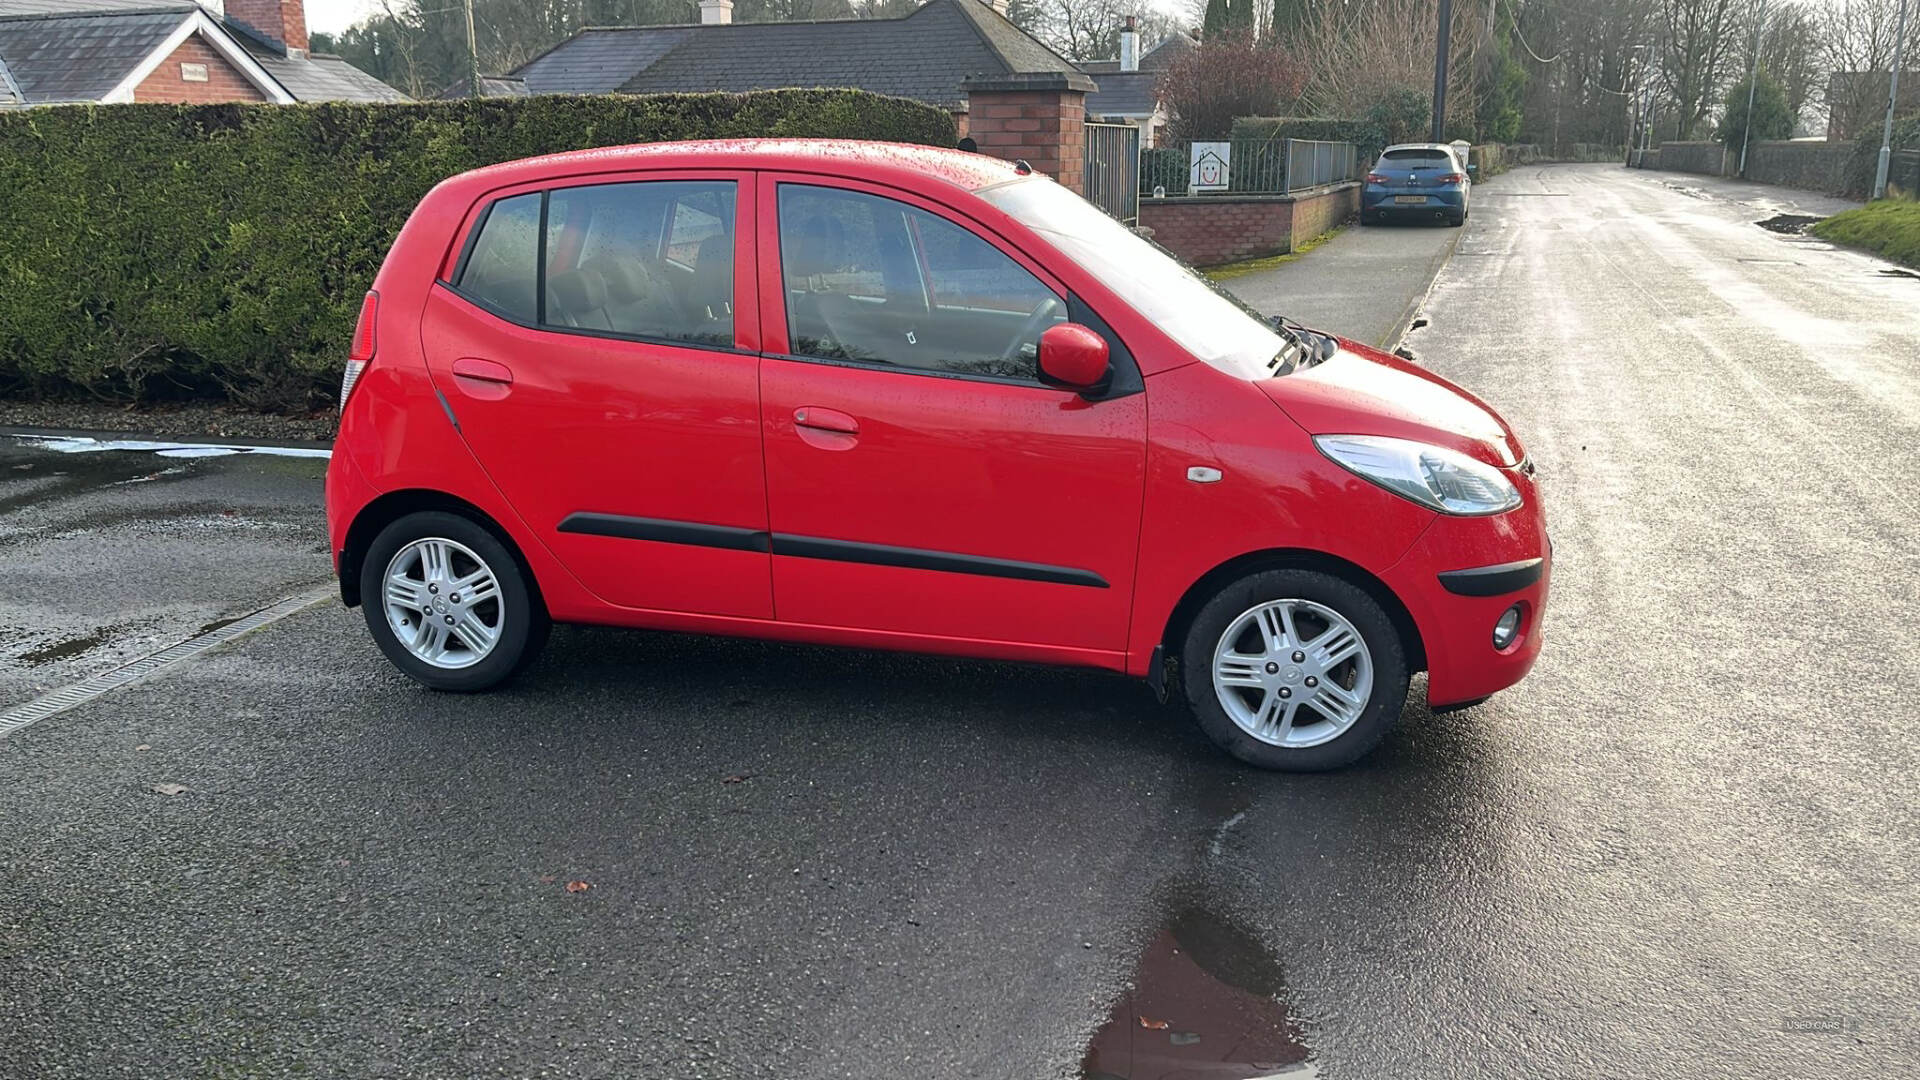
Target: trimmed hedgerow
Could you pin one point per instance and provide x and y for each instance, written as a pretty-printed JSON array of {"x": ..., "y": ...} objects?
[{"x": 222, "y": 250}]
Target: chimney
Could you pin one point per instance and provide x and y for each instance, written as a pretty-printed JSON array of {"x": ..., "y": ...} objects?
[
  {"x": 285, "y": 21},
  {"x": 713, "y": 12},
  {"x": 1130, "y": 44}
]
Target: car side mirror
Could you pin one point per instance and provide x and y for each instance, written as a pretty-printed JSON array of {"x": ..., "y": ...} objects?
[{"x": 1074, "y": 357}]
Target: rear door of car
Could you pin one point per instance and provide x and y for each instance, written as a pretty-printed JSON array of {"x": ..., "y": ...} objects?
[{"x": 597, "y": 350}]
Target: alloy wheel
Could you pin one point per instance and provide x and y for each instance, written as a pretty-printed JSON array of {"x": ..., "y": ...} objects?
[
  {"x": 443, "y": 603},
  {"x": 1292, "y": 673}
]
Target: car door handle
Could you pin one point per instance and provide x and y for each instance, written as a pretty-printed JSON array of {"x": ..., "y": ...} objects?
[
  {"x": 819, "y": 419},
  {"x": 487, "y": 371}
]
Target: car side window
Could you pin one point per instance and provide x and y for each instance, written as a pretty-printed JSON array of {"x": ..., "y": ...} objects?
[
  {"x": 651, "y": 259},
  {"x": 876, "y": 280},
  {"x": 502, "y": 269}
]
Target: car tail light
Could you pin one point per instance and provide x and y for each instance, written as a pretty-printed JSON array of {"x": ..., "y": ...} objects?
[
  {"x": 1454, "y": 178},
  {"x": 360, "y": 354},
  {"x": 1375, "y": 178}
]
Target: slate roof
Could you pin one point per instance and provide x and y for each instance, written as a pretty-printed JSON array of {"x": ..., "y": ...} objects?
[
  {"x": 79, "y": 55},
  {"x": 1124, "y": 93},
  {"x": 317, "y": 77},
  {"x": 54, "y": 51},
  {"x": 924, "y": 55},
  {"x": 490, "y": 86}
]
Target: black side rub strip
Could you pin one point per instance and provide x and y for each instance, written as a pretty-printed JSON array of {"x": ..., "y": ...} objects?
[
  {"x": 666, "y": 532},
  {"x": 813, "y": 547},
  {"x": 1493, "y": 580}
]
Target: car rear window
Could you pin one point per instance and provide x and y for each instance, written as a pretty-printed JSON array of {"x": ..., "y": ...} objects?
[
  {"x": 501, "y": 270},
  {"x": 1436, "y": 157}
]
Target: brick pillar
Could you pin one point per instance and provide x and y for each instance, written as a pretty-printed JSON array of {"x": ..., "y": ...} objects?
[{"x": 1037, "y": 117}]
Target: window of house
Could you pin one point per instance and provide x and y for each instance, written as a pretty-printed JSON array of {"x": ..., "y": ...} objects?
[
  {"x": 652, "y": 259},
  {"x": 501, "y": 270},
  {"x": 875, "y": 280}
]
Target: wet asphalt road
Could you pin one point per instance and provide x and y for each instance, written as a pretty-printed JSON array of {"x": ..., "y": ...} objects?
[{"x": 1684, "y": 847}]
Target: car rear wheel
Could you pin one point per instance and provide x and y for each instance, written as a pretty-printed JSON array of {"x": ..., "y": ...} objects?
[
  {"x": 1294, "y": 670},
  {"x": 448, "y": 603}
]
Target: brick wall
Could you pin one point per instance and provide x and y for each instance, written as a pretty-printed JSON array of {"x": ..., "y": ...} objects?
[
  {"x": 1207, "y": 230},
  {"x": 1038, "y": 118},
  {"x": 224, "y": 82}
]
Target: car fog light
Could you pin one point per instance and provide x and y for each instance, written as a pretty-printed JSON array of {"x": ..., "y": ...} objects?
[{"x": 1507, "y": 628}]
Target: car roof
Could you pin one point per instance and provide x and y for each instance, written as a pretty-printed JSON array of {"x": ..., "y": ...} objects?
[
  {"x": 1419, "y": 146},
  {"x": 900, "y": 164}
]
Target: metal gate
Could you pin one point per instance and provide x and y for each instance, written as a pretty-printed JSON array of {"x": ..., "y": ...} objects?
[{"x": 1113, "y": 169}]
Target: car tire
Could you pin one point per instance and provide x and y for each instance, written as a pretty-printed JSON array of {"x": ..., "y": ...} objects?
[
  {"x": 478, "y": 643},
  {"x": 1316, "y": 605}
]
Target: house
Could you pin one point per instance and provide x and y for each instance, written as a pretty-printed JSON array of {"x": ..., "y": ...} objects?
[
  {"x": 1129, "y": 87},
  {"x": 926, "y": 54},
  {"x": 73, "y": 51},
  {"x": 1857, "y": 101}
]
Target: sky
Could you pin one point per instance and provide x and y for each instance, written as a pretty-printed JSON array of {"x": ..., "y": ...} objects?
[{"x": 333, "y": 16}]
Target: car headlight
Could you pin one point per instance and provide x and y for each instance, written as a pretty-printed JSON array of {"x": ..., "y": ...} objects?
[{"x": 1433, "y": 476}]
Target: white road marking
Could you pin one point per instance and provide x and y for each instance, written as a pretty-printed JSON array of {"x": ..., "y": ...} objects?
[
  {"x": 82, "y": 445},
  {"x": 86, "y": 690}
]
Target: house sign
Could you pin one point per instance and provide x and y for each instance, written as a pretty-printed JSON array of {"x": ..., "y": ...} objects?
[{"x": 1208, "y": 165}]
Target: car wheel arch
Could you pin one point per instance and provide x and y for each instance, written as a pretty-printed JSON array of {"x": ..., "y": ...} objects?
[
  {"x": 393, "y": 506},
  {"x": 1253, "y": 562}
]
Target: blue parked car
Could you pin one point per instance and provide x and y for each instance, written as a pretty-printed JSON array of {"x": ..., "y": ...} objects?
[{"x": 1417, "y": 180}]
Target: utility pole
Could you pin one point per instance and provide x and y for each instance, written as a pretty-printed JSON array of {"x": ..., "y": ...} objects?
[
  {"x": 1893, "y": 98},
  {"x": 1440, "y": 71},
  {"x": 473, "y": 55},
  {"x": 1753, "y": 83}
]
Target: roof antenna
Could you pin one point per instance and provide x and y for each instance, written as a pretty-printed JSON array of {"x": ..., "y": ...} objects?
[{"x": 1020, "y": 166}]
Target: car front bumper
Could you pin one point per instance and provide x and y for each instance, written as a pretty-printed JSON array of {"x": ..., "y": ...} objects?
[{"x": 1459, "y": 578}]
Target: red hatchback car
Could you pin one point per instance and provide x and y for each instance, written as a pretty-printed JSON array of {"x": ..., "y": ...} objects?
[{"x": 909, "y": 398}]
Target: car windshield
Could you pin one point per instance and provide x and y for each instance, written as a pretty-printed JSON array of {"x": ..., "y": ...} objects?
[{"x": 1207, "y": 322}]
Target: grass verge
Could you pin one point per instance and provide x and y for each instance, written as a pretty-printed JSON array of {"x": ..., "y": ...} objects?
[
  {"x": 1234, "y": 270},
  {"x": 1889, "y": 228}
]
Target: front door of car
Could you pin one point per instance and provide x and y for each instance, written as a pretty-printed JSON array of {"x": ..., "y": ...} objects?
[
  {"x": 587, "y": 347},
  {"x": 920, "y": 477}
]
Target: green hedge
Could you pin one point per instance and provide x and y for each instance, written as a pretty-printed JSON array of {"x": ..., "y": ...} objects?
[{"x": 222, "y": 250}]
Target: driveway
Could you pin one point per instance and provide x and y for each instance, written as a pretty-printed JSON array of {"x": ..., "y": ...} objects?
[{"x": 1683, "y": 848}]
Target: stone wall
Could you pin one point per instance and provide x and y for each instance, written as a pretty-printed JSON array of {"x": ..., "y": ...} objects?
[{"x": 1803, "y": 164}]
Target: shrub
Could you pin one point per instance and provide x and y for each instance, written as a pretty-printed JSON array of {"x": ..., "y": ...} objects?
[
  {"x": 222, "y": 250},
  {"x": 1206, "y": 88},
  {"x": 1865, "y": 158}
]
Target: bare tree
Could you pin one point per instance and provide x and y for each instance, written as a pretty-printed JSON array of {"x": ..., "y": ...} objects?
[
  {"x": 1856, "y": 43},
  {"x": 1699, "y": 47}
]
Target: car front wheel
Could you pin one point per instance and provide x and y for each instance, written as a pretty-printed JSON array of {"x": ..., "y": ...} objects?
[
  {"x": 448, "y": 604},
  {"x": 1294, "y": 670}
]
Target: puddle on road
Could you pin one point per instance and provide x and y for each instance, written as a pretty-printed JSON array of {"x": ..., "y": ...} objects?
[
  {"x": 1208, "y": 1000},
  {"x": 67, "y": 649},
  {"x": 1789, "y": 224}
]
